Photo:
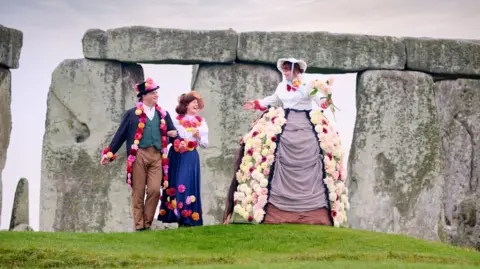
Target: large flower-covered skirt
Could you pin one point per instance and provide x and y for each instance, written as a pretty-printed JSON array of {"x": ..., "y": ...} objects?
[
  {"x": 181, "y": 201},
  {"x": 256, "y": 173},
  {"x": 297, "y": 183}
]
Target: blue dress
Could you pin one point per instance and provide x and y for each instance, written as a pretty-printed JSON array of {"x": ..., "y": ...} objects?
[{"x": 181, "y": 201}]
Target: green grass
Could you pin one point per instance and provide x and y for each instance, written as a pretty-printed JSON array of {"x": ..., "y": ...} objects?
[{"x": 231, "y": 246}]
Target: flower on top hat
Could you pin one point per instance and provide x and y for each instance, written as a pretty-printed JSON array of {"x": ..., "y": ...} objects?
[{"x": 145, "y": 87}]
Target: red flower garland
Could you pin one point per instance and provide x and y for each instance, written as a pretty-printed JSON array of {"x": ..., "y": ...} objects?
[
  {"x": 189, "y": 145},
  {"x": 138, "y": 136},
  {"x": 189, "y": 125}
]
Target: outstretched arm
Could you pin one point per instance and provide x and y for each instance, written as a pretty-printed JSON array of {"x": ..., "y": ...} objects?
[
  {"x": 266, "y": 101},
  {"x": 109, "y": 153},
  {"x": 262, "y": 104}
]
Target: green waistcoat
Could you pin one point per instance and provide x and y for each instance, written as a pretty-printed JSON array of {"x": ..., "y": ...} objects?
[{"x": 151, "y": 133}]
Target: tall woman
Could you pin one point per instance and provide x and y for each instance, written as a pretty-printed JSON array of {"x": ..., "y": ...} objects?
[{"x": 283, "y": 175}]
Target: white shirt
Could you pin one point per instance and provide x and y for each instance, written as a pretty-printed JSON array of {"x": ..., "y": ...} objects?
[
  {"x": 203, "y": 131},
  {"x": 150, "y": 111},
  {"x": 299, "y": 99}
]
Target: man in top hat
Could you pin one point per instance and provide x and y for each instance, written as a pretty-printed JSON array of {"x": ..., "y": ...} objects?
[{"x": 146, "y": 129}]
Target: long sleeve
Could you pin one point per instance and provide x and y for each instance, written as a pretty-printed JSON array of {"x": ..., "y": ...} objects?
[
  {"x": 169, "y": 122},
  {"x": 316, "y": 99},
  {"x": 268, "y": 100},
  {"x": 203, "y": 130},
  {"x": 170, "y": 127},
  {"x": 121, "y": 135}
]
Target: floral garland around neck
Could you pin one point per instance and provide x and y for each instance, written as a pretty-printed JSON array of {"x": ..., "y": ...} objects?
[
  {"x": 190, "y": 125},
  {"x": 336, "y": 172},
  {"x": 139, "y": 111},
  {"x": 260, "y": 144}
]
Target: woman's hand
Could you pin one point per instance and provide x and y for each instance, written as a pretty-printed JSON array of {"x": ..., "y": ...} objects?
[
  {"x": 196, "y": 134},
  {"x": 248, "y": 105}
]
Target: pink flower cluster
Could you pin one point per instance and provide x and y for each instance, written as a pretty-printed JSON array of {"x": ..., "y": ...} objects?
[
  {"x": 260, "y": 144},
  {"x": 334, "y": 167},
  {"x": 150, "y": 84}
]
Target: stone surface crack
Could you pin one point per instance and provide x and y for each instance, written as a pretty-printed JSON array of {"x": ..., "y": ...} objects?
[
  {"x": 462, "y": 122},
  {"x": 79, "y": 129}
]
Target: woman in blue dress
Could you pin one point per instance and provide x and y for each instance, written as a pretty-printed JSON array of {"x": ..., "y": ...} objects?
[{"x": 181, "y": 201}]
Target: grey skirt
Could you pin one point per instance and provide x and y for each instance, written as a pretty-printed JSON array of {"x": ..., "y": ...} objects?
[{"x": 297, "y": 183}]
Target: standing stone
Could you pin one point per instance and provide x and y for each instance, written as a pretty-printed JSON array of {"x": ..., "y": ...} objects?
[
  {"x": 459, "y": 116},
  {"x": 443, "y": 56},
  {"x": 324, "y": 52},
  {"x": 0, "y": 200},
  {"x": 5, "y": 121},
  {"x": 141, "y": 44},
  {"x": 11, "y": 42},
  {"x": 22, "y": 228},
  {"x": 396, "y": 160},
  {"x": 20, "y": 205},
  {"x": 225, "y": 88},
  {"x": 85, "y": 105}
]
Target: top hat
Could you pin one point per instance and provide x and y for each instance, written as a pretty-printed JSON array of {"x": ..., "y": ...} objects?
[{"x": 145, "y": 87}]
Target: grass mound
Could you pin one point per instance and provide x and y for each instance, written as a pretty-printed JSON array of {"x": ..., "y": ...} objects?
[{"x": 231, "y": 246}]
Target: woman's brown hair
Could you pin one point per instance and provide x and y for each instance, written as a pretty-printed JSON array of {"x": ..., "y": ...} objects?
[
  {"x": 296, "y": 67},
  {"x": 183, "y": 102}
]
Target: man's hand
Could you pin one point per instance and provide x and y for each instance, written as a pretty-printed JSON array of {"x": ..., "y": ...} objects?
[
  {"x": 172, "y": 133},
  {"x": 104, "y": 160}
]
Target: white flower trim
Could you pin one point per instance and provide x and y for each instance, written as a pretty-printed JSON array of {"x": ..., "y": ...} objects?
[
  {"x": 260, "y": 144},
  {"x": 252, "y": 177},
  {"x": 336, "y": 172}
]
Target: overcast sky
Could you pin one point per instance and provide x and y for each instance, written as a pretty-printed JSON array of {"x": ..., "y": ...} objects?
[{"x": 53, "y": 30}]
